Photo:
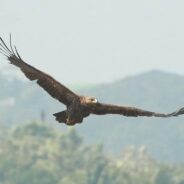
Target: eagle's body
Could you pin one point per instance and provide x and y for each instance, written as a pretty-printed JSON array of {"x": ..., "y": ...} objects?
[
  {"x": 77, "y": 110},
  {"x": 77, "y": 107},
  {"x": 74, "y": 113}
]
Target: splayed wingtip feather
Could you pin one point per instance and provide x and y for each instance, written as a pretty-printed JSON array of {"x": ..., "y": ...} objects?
[
  {"x": 11, "y": 45},
  {"x": 5, "y": 46}
]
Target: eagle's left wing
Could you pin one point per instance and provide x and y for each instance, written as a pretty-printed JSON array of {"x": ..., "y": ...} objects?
[
  {"x": 101, "y": 109},
  {"x": 47, "y": 82}
]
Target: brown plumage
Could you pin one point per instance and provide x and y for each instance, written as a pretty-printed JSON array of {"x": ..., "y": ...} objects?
[{"x": 77, "y": 107}]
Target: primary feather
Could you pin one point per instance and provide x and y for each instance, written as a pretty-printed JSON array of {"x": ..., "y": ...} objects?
[{"x": 48, "y": 83}]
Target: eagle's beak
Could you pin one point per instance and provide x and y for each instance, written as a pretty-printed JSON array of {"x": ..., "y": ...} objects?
[{"x": 95, "y": 101}]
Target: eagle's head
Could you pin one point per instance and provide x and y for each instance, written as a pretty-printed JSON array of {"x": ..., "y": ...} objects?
[{"x": 90, "y": 100}]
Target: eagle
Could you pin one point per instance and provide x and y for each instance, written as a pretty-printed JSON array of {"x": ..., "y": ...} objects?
[{"x": 78, "y": 107}]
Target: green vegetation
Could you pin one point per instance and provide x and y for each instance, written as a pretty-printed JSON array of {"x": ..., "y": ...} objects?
[
  {"x": 40, "y": 154},
  {"x": 21, "y": 101}
]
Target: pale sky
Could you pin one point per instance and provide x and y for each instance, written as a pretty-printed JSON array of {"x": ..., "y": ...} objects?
[{"x": 82, "y": 41}]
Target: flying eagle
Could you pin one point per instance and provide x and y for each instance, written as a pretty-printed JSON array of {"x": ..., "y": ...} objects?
[{"x": 77, "y": 107}]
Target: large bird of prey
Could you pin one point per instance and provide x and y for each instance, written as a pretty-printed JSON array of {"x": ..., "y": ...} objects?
[{"x": 77, "y": 107}]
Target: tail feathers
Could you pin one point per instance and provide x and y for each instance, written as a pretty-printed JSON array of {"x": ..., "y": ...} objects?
[{"x": 61, "y": 117}]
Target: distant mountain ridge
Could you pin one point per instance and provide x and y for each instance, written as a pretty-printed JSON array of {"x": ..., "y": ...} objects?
[{"x": 154, "y": 90}]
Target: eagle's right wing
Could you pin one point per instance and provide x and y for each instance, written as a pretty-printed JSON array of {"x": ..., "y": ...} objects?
[
  {"x": 49, "y": 84},
  {"x": 101, "y": 109}
]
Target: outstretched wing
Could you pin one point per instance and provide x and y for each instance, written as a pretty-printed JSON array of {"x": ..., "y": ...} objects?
[
  {"x": 49, "y": 84},
  {"x": 101, "y": 109}
]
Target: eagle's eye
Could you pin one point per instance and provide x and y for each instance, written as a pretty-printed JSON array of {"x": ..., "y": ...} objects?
[{"x": 94, "y": 100}]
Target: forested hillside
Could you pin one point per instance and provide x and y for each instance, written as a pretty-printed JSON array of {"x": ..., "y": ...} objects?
[
  {"x": 36, "y": 153},
  {"x": 23, "y": 101}
]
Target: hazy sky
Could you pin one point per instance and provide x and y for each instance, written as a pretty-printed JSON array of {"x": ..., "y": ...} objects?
[{"x": 98, "y": 40}]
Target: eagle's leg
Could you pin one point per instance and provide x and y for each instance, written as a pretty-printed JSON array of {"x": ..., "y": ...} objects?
[
  {"x": 73, "y": 120},
  {"x": 61, "y": 117},
  {"x": 70, "y": 121}
]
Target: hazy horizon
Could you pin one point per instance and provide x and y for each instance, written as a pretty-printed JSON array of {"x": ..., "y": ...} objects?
[{"x": 96, "y": 42}]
